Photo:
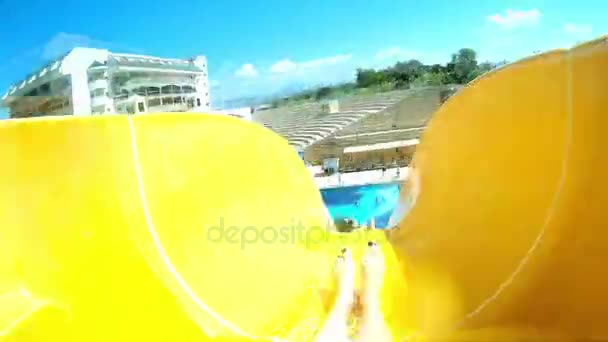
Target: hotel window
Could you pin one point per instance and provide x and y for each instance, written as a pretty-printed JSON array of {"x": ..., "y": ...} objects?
[
  {"x": 198, "y": 102},
  {"x": 45, "y": 88},
  {"x": 98, "y": 92},
  {"x": 123, "y": 94},
  {"x": 130, "y": 108},
  {"x": 171, "y": 89},
  {"x": 153, "y": 102},
  {"x": 153, "y": 90},
  {"x": 97, "y": 76}
]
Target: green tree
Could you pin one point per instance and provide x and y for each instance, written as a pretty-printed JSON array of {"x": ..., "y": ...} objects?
[
  {"x": 437, "y": 78},
  {"x": 438, "y": 68},
  {"x": 486, "y": 66},
  {"x": 413, "y": 67},
  {"x": 323, "y": 92},
  {"x": 403, "y": 73},
  {"x": 462, "y": 68},
  {"x": 369, "y": 77},
  {"x": 482, "y": 69},
  {"x": 463, "y": 65}
]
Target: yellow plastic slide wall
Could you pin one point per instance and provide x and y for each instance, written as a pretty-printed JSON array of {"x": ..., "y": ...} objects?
[
  {"x": 189, "y": 227},
  {"x": 508, "y": 237}
]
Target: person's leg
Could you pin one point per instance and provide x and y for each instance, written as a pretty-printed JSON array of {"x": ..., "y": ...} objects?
[
  {"x": 335, "y": 328},
  {"x": 373, "y": 326}
]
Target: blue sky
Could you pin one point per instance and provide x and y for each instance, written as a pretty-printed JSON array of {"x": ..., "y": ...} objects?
[{"x": 261, "y": 47}]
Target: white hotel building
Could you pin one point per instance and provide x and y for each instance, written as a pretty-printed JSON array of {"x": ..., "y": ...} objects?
[{"x": 94, "y": 81}]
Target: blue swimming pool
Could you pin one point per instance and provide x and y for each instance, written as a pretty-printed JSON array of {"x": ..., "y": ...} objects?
[{"x": 363, "y": 202}]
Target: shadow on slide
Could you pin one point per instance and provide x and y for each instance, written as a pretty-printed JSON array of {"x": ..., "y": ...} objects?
[{"x": 188, "y": 227}]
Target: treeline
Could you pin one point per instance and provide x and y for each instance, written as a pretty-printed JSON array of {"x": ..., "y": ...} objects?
[{"x": 462, "y": 68}]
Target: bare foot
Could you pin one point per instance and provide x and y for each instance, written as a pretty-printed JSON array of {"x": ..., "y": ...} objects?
[
  {"x": 373, "y": 327},
  {"x": 335, "y": 328},
  {"x": 345, "y": 274},
  {"x": 373, "y": 272}
]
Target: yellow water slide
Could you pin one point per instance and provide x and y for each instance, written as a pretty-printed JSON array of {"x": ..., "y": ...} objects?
[{"x": 189, "y": 227}]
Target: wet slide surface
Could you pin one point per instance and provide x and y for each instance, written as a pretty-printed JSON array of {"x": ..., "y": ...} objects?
[{"x": 124, "y": 228}]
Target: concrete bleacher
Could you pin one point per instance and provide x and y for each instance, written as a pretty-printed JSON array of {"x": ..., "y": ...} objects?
[
  {"x": 304, "y": 124},
  {"x": 412, "y": 111},
  {"x": 404, "y": 120},
  {"x": 361, "y": 120}
]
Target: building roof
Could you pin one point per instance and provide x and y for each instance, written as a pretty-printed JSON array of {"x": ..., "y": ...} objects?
[
  {"x": 96, "y": 64},
  {"x": 153, "y": 63},
  {"x": 381, "y": 146},
  {"x": 46, "y": 72}
]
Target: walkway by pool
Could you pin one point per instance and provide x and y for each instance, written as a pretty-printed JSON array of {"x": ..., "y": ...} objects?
[{"x": 362, "y": 178}]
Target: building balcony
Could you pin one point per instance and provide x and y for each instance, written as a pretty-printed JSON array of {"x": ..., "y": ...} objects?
[
  {"x": 96, "y": 84},
  {"x": 99, "y": 101},
  {"x": 175, "y": 107}
]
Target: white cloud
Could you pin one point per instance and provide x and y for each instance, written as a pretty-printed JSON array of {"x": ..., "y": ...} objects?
[
  {"x": 62, "y": 43},
  {"x": 247, "y": 70},
  {"x": 396, "y": 53},
  {"x": 286, "y": 65},
  {"x": 286, "y": 76},
  {"x": 578, "y": 29},
  {"x": 321, "y": 62},
  {"x": 513, "y": 18}
]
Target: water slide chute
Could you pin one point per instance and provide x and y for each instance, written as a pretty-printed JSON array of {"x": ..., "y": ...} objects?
[{"x": 193, "y": 227}]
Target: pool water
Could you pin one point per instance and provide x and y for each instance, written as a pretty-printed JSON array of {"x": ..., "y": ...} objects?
[{"x": 362, "y": 203}]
